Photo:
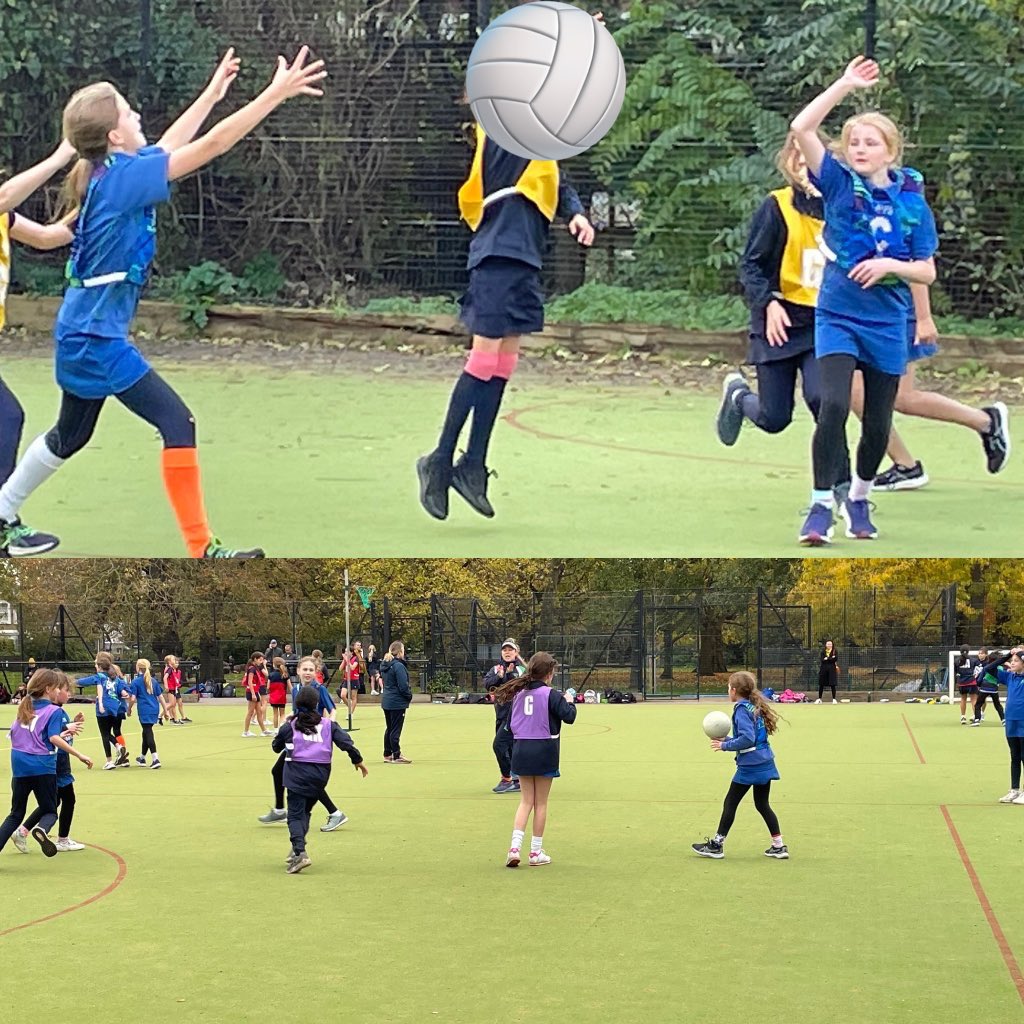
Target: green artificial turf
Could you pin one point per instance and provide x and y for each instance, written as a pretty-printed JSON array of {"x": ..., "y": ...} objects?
[
  {"x": 408, "y": 914},
  {"x": 321, "y": 465}
]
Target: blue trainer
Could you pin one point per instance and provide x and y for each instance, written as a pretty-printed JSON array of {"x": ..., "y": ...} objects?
[
  {"x": 817, "y": 528},
  {"x": 858, "y": 520}
]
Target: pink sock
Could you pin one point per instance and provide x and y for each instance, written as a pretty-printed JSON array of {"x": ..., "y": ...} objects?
[
  {"x": 506, "y": 364},
  {"x": 482, "y": 365}
]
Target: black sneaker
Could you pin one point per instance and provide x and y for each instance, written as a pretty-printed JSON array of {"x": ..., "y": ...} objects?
[
  {"x": 217, "y": 550},
  {"x": 996, "y": 440},
  {"x": 470, "y": 481},
  {"x": 903, "y": 478},
  {"x": 709, "y": 848},
  {"x": 730, "y": 415},
  {"x": 48, "y": 846},
  {"x": 18, "y": 540},
  {"x": 777, "y": 852},
  {"x": 122, "y": 758},
  {"x": 435, "y": 473}
]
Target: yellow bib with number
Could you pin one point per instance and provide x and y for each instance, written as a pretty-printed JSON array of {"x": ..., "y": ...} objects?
[
  {"x": 802, "y": 260},
  {"x": 5, "y": 264},
  {"x": 539, "y": 183}
]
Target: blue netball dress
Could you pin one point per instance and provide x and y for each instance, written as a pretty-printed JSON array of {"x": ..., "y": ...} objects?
[
  {"x": 865, "y": 222},
  {"x": 114, "y": 245}
]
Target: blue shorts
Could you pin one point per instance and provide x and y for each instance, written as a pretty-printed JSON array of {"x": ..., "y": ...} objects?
[
  {"x": 504, "y": 298},
  {"x": 90, "y": 367},
  {"x": 756, "y": 774},
  {"x": 880, "y": 345}
]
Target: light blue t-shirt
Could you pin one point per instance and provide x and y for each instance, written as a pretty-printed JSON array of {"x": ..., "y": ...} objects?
[
  {"x": 149, "y": 703},
  {"x": 116, "y": 232}
]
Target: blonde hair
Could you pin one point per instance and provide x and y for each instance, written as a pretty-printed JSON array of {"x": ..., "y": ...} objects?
[
  {"x": 885, "y": 126},
  {"x": 746, "y": 686},
  {"x": 89, "y": 117},
  {"x": 143, "y": 666},
  {"x": 788, "y": 161},
  {"x": 396, "y": 649},
  {"x": 41, "y": 680},
  {"x": 281, "y": 667},
  {"x": 302, "y": 661},
  {"x": 171, "y": 661},
  {"x": 104, "y": 662}
]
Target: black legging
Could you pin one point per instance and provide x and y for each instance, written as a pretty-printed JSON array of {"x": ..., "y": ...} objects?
[
  {"x": 829, "y": 680},
  {"x": 1016, "y": 745},
  {"x": 148, "y": 742},
  {"x": 44, "y": 789},
  {"x": 12, "y": 421},
  {"x": 277, "y": 773},
  {"x": 502, "y": 746},
  {"x": 393, "y": 722},
  {"x": 66, "y": 803},
  {"x": 110, "y": 729},
  {"x": 152, "y": 398},
  {"x": 737, "y": 791},
  {"x": 980, "y": 705},
  {"x": 828, "y": 447}
]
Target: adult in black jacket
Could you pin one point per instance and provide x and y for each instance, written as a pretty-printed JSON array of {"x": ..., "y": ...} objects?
[
  {"x": 395, "y": 700},
  {"x": 510, "y": 667},
  {"x": 828, "y": 671}
]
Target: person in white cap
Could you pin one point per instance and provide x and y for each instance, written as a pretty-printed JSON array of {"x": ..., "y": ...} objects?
[{"x": 510, "y": 667}]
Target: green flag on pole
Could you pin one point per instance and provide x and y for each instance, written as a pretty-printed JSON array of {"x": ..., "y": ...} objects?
[{"x": 365, "y": 593}]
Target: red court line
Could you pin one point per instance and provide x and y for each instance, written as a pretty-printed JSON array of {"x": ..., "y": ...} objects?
[
  {"x": 122, "y": 871},
  {"x": 917, "y": 749},
  {"x": 1004, "y": 947}
]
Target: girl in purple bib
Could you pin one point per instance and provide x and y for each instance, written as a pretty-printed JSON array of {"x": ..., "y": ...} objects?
[
  {"x": 308, "y": 741},
  {"x": 35, "y": 740},
  {"x": 538, "y": 711}
]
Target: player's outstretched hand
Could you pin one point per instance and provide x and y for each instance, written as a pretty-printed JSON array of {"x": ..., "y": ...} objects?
[
  {"x": 86, "y": 760},
  {"x": 226, "y": 73},
  {"x": 861, "y": 73},
  {"x": 298, "y": 78},
  {"x": 361, "y": 767},
  {"x": 80, "y": 717},
  {"x": 581, "y": 229},
  {"x": 716, "y": 744}
]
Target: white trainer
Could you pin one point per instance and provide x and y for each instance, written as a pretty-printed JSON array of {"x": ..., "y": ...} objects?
[
  {"x": 1010, "y": 797},
  {"x": 818, "y": 701},
  {"x": 1019, "y": 798},
  {"x": 539, "y": 857},
  {"x": 67, "y": 845},
  {"x": 512, "y": 860},
  {"x": 18, "y": 838}
]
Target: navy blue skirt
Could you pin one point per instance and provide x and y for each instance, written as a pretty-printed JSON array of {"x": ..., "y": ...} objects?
[{"x": 504, "y": 298}]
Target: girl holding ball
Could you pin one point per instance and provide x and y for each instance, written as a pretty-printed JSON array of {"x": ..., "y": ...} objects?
[
  {"x": 538, "y": 711},
  {"x": 753, "y": 721}
]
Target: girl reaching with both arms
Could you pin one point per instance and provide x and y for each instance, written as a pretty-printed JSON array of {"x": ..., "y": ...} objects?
[{"x": 114, "y": 189}]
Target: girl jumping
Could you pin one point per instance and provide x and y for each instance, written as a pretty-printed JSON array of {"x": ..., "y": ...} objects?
[
  {"x": 538, "y": 711},
  {"x": 753, "y": 721},
  {"x": 879, "y": 237},
  {"x": 115, "y": 187}
]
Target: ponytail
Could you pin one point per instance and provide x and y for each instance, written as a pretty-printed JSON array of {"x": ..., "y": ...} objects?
[
  {"x": 42, "y": 679},
  {"x": 746, "y": 686},
  {"x": 539, "y": 667},
  {"x": 72, "y": 192},
  {"x": 143, "y": 666},
  {"x": 307, "y": 714}
]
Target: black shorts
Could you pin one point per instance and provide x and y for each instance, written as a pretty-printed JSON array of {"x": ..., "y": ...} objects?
[
  {"x": 535, "y": 757},
  {"x": 249, "y": 695},
  {"x": 504, "y": 298},
  {"x": 965, "y": 690},
  {"x": 355, "y": 686}
]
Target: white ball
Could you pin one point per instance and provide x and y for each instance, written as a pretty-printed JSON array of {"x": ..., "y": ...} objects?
[
  {"x": 546, "y": 81},
  {"x": 717, "y": 725}
]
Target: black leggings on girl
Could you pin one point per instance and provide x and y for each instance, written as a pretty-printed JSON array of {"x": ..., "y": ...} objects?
[
  {"x": 737, "y": 791},
  {"x": 277, "y": 773},
  {"x": 66, "y": 802},
  {"x": 12, "y": 420},
  {"x": 44, "y": 789},
  {"x": 1016, "y": 745},
  {"x": 148, "y": 742},
  {"x": 822, "y": 683},
  {"x": 151, "y": 398},
  {"x": 828, "y": 445},
  {"x": 110, "y": 729},
  {"x": 980, "y": 705}
]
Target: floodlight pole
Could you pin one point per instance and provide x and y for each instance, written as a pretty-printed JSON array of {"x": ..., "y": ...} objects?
[
  {"x": 348, "y": 688},
  {"x": 870, "y": 23}
]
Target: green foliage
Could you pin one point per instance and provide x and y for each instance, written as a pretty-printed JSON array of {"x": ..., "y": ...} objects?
[
  {"x": 600, "y": 304},
  {"x": 201, "y": 287},
  {"x": 415, "y": 306},
  {"x": 262, "y": 277},
  {"x": 33, "y": 277},
  {"x": 441, "y": 682}
]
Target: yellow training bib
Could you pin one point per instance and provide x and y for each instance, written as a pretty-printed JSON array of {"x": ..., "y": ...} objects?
[{"x": 803, "y": 263}]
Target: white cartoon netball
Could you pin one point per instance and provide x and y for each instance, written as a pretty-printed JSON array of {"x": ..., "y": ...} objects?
[{"x": 546, "y": 80}]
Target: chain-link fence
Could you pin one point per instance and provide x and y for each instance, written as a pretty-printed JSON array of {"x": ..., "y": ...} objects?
[
  {"x": 354, "y": 194},
  {"x": 680, "y": 644}
]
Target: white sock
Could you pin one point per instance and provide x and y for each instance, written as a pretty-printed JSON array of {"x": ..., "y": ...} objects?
[
  {"x": 822, "y": 498},
  {"x": 536, "y": 844},
  {"x": 719, "y": 838},
  {"x": 777, "y": 842},
  {"x": 37, "y": 465},
  {"x": 517, "y": 839},
  {"x": 859, "y": 489}
]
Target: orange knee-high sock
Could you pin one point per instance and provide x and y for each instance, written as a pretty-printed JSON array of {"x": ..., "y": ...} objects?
[{"x": 184, "y": 490}]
